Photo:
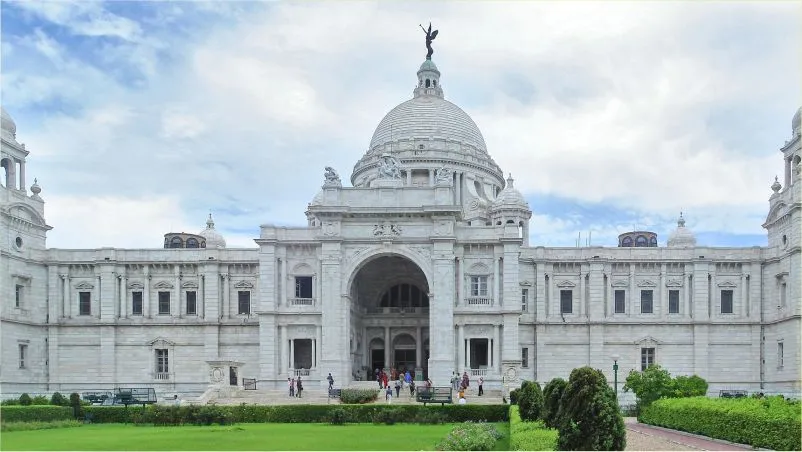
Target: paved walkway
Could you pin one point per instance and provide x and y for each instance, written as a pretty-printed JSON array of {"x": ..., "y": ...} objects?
[{"x": 647, "y": 437}]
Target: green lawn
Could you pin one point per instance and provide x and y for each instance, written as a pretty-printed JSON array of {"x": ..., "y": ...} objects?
[{"x": 237, "y": 437}]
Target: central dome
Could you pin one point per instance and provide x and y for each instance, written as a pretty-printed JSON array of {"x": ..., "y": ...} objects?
[{"x": 428, "y": 117}]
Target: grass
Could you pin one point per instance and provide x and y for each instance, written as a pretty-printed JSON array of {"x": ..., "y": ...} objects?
[{"x": 237, "y": 437}]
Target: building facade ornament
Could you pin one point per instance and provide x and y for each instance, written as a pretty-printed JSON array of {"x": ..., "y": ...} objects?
[
  {"x": 331, "y": 178},
  {"x": 389, "y": 167}
]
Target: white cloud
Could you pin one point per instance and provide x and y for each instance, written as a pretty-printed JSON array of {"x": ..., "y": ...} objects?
[{"x": 593, "y": 102}]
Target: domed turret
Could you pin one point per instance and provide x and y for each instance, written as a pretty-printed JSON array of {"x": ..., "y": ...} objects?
[
  {"x": 213, "y": 238},
  {"x": 510, "y": 197},
  {"x": 796, "y": 123},
  {"x": 8, "y": 126},
  {"x": 510, "y": 207},
  {"x": 681, "y": 237}
]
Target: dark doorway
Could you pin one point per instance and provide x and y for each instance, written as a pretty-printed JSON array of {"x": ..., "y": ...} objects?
[
  {"x": 479, "y": 349},
  {"x": 377, "y": 359},
  {"x": 404, "y": 359},
  {"x": 232, "y": 376}
]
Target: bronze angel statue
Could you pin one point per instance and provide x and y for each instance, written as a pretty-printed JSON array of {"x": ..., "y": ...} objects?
[{"x": 430, "y": 35}]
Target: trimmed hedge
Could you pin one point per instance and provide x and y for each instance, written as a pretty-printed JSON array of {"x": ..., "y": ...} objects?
[
  {"x": 771, "y": 423},
  {"x": 358, "y": 395},
  {"x": 300, "y": 413},
  {"x": 34, "y": 413},
  {"x": 530, "y": 435}
]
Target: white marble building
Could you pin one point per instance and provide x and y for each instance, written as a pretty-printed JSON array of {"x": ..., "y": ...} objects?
[{"x": 425, "y": 262}]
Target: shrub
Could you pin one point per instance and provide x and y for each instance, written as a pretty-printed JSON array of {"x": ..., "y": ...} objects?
[
  {"x": 590, "y": 418},
  {"x": 9, "y": 402},
  {"x": 338, "y": 416},
  {"x": 470, "y": 436},
  {"x": 655, "y": 383},
  {"x": 530, "y": 435},
  {"x": 551, "y": 401},
  {"x": 514, "y": 396},
  {"x": 75, "y": 403},
  {"x": 430, "y": 417},
  {"x": 693, "y": 386},
  {"x": 40, "y": 400},
  {"x": 389, "y": 416},
  {"x": 772, "y": 422},
  {"x": 22, "y": 426},
  {"x": 530, "y": 401},
  {"x": 358, "y": 395},
  {"x": 35, "y": 413},
  {"x": 59, "y": 400},
  {"x": 25, "y": 399}
]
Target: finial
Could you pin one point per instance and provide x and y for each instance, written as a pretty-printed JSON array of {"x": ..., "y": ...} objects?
[
  {"x": 680, "y": 220},
  {"x": 510, "y": 180},
  {"x": 210, "y": 221},
  {"x": 776, "y": 186},
  {"x": 430, "y": 35},
  {"x": 35, "y": 188}
]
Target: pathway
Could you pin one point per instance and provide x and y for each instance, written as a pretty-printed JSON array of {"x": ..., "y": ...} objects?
[{"x": 646, "y": 437}]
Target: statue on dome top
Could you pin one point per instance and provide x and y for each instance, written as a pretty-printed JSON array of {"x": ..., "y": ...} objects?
[{"x": 430, "y": 35}]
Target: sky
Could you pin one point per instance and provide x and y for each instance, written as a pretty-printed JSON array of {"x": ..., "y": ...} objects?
[{"x": 142, "y": 117}]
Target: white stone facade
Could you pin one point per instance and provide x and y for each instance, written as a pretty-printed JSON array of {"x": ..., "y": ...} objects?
[{"x": 428, "y": 252}]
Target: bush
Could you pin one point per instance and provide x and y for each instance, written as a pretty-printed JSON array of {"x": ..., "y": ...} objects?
[
  {"x": 530, "y": 401},
  {"x": 35, "y": 413},
  {"x": 693, "y": 386},
  {"x": 388, "y": 417},
  {"x": 358, "y": 395},
  {"x": 470, "y": 436},
  {"x": 40, "y": 400},
  {"x": 655, "y": 383},
  {"x": 25, "y": 399},
  {"x": 9, "y": 402},
  {"x": 338, "y": 417},
  {"x": 75, "y": 403},
  {"x": 530, "y": 435},
  {"x": 551, "y": 401},
  {"x": 514, "y": 396},
  {"x": 590, "y": 418},
  {"x": 430, "y": 417},
  {"x": 59, "y": 400},
  {"x": 771, "y": 423},
  {"x": 22, "y": 426}
]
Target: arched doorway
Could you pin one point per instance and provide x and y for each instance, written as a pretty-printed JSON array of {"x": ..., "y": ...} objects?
[{"x": 390, "y": 316}]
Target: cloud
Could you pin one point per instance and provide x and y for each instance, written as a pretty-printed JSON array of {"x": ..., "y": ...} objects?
[{"x": 645, "y": 108}]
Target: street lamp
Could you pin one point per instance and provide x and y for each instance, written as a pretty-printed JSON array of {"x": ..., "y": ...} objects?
[{"x": 615, "y": 374}]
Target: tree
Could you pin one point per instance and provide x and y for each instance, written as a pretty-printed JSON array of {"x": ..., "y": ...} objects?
[
  {"x": 25, "y": 399},
  {"x": 649, "y": 385},
  {"x": 552, "y": 393},
  {"x": 589, "y": 416},
  {"x": 58, "y": 400},
  {"x": 692, "y": 386},
  {"x": 530, "y": 401}
]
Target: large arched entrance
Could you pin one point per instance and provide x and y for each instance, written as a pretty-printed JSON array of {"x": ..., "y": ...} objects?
[{"x": 389, "y": 318}]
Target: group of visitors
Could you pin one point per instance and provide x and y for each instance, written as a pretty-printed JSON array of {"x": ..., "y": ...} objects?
[
  {"x": 296, "y": 387},
  {"x": 461, "y": 385}
]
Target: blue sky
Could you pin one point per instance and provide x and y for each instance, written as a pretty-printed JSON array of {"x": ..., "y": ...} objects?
[{"x": 141, "y": 117}]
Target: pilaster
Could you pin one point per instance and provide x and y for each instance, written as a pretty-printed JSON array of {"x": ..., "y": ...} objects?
[
  {"x": 270, "y": 361},
  {"x": 335, "y": 313},
  {"x": 441, "y": 344}
]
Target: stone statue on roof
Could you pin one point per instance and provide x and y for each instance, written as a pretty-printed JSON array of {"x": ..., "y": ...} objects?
[
  {"x": 389, "y": 167},
  {"x": 443, "y": 176},
  {"x": 332, "y": 179},
  {"x": 430, "y": 35}
]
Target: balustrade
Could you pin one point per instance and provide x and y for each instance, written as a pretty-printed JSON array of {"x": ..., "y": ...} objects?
[
  {"x": 301, "y": 372},
  {"x": 161, "y": 376},
  {"x": 302, "y": 301},
  {"x": 478, "y": 372},
  {"x": 479, "y": 301}
]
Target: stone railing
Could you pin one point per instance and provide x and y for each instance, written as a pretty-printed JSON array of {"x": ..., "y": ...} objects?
[
  {"x": 301, "y": 372},
  {"x": 161, "y": 376},
  {"x": 405, "y": 310},
  {"x": 473, "y": 301},
  {"x": 478, "y": 372},
  {"x": 302, "y": 301}
]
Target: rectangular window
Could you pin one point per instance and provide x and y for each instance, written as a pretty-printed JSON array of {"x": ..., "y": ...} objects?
[
  {"x": 244, "y": 302},
  {"x": 18, "y": 295},
  {"x": 620, "y": 301},
  {"x": 525, "y": 357},
  {"x": 646, "y": 358},
  {"x": 646, "y": 302},
  {"x": 303, "y": 287},
  {"x": 566, "y": 301},
  {"x": 673, "y": 301},
  {"x": 524, "y": 296},
  {"x": 84, "y": 303},
  {"x": 780, "y": 357},
  {"x": 726, "y": 301},
  {"x": 23, "y": 355},
  {"x": 478, "y": 286},
  {"x": 783, "y": 294},
  {"x": 192, "y": 302},
  {"x": 162, "y": 362},
  {"x": 164, "y": 303},
  {"x": 136, "y": 303}
]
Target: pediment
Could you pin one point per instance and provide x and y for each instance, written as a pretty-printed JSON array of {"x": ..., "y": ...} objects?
[
  {"x": 647, "y": 340},
  {"x": 302, "y": 269},
  {"x": 620, "y": 283},
  {"x": 479, "y": 269},
  {"x": 674, "y": 283},
  {"x": 190, "y": 285},
  {"x": 647, "y": 283},
  {"x": 84, "y": 285},
  {"x": 526, "y": 283},
  {"x": 566, "y": 283},
  {"x": 161, "y": 341},
  {"x": 25, "y": 212},
  {"x": 727, "y": 284},
  {"x": 136, "y": 286},
  {"x": 775, "y": 213},
  {"x": 162, "y": 285},
  {"x": 243, "y": 285}
]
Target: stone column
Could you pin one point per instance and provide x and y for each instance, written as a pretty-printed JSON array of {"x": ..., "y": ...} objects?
[
  {"x": 22, "y": 175},
  {"x": 319, "y": 344},
  {"x": 175, "y": 308},
  {"x": 123, "y": 295},
  {"x": 468, "y": 364},
  {"x": 226, "y": 295},
  {"x": 686, "y": 284},
  {"x": 581, "y": 308},
  {"x": 489, "y": 354},
  {"x": 12, "y": 171},
  {"x": 713, "y": 295},
  {"x": 270, "y": 356},
  {"x": 661, "y": 291},
  {"x": 460, "y": 348},
  {"x": 292, "y": 353},
  {"x": 387, "y": 347},
  {"x": 458, "y": 188},
  {"x": 201, "y": 297},
  {"x": 285, "y": 280},
  {"x": 461, "y": 282},
  {"x": 419, "y": 348},
  {"x": 283, "y": 362},
  {"x": 743, "y": 296}
]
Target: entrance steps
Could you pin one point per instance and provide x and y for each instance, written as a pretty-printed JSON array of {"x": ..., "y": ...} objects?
[{"x": 320, "y": 397}]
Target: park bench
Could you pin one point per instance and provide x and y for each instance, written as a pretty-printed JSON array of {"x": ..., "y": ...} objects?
[
  {"x": 135, "y": 396},
  {"x": 249, "y": 384},
  {"x": 732, "y": 393},
  {"x": 441, "y": 395},
  {"x": 96, "y": 397},
  {"x": 335, "y": 393}
]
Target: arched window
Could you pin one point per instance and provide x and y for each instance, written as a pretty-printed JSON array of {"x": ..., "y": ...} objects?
[
  {"x": 404, "y": 296},
  {"x": 176, "y": 242},
  {"x": 641, "y": 241},
  {"x": 510, "y": 221},
  {"x": 434, "y": 83},
  {"x": 192, "y": 243},
  {"x": 627, "y": 241},
  {"x": 428, "y": 83},
  {"x": 653, "y": 241}
]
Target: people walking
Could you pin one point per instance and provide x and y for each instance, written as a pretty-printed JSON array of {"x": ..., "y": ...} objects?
[
  {"x": 299, "y": 387},
  {"x": 481, "y": 382},
  {"x": 331, "y": 381},
  {"x": 411, "y": 388},
  {"x": 291, "y": 384},
  {"x": 398, "y": 387},
  {"x": 388, "y": 395}
]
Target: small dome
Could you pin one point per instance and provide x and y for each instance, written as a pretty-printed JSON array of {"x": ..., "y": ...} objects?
[
  {"x": 213, "y": 238},
  {"x": 796, "y": 122},
  {"x": 428, "y": 65},
  {"x": 9, "y": 127},
  {"x": 681, "y": 237},
  {"x": 510, "y": 197}
]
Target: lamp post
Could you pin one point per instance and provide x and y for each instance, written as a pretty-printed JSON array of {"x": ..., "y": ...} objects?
[{"x": 615, "y": 375}]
